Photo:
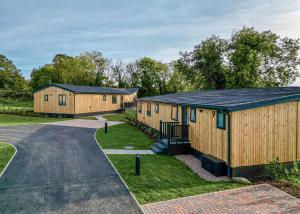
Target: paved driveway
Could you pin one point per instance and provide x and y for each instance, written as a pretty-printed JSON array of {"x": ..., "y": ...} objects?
[
  {"x": 60, "y": 169},
  {"x": 253, "y": 199}
]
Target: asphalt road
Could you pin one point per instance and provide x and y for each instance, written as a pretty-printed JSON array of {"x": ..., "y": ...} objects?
[{"x": 60, "y": 169}]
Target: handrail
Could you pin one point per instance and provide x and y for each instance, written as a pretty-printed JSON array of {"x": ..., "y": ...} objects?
[{"x": 174, "y": 132}]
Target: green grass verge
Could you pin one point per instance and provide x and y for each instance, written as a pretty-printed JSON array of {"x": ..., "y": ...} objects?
[
  {"x": 11, "y": 119},
  {"x": 115, "y": 117},
  {"x": 122, "y": 136},
  {"x": 163, "y": 177},
  {"x": 6, "y": 153}
]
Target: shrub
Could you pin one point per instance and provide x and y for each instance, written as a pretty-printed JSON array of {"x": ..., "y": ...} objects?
[
  {"x": 277, "y": 170},
  {"x": 131, "y": 115}
]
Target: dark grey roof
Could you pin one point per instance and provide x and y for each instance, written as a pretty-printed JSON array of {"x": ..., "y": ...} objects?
[
  {"x": 81, "y": 89},
  {"x": 230, "y": 99}
]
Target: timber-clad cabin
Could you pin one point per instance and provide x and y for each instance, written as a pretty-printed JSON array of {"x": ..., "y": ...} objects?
[
  {"x": 76, "y": 100},
  {"x": 234, "y": 132}
]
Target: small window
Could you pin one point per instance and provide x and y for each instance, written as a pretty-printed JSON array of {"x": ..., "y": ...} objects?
[
  {"x": 193, "y": 115},
  {"x": 114, "y": 99},
  {"x": 174, "y": 113},
  {"x": 221, "y": 120},
  {"x": 104, "y": 97},
  {"x": 156, "y": 109},
  {"x": 45, "y": 97},
  {"x": 140, "y": 107},
  {"x": 148, "y": 109},
  {"x": 62, "y": 99}
]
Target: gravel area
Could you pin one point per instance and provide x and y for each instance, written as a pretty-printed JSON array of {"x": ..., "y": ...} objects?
[{"x": 195, "y": 165}]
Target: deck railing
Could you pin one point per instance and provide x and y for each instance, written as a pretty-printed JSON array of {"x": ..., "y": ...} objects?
[{"x": 174, "y": 132}]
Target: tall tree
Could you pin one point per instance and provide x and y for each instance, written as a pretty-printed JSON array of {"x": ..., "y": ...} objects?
[
  {"x": 11, "y": 77},
  {"x": 120, "y": 74},
  {"x": 205, "y": 65},
  {"x": 262, "y": 59},
  {"x": 151, "y": 77},
  {"x": 101, "y": 65}
]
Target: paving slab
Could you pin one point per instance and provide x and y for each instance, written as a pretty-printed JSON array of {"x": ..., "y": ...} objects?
[
  {"x": 82, "y": 123},
  {"x": 255, "y": 199},
  {"x": 128, "y": 152},
  {"x": 60, "y": 169}
]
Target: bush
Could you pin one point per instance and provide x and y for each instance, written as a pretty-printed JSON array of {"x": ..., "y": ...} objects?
[
  {"x": 277, "y": 170},
  {"x": 131, "y": 115}
]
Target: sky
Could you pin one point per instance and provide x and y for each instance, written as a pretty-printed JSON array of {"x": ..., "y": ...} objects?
[{"x": 33, "y": 31}]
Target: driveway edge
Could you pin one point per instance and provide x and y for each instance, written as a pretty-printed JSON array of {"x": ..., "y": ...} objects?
[
  {"x": 10, "y": 158},
  {"x": 117, "y": 172}
]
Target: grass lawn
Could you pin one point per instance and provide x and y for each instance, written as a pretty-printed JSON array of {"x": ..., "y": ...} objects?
[
  {"x": 115, "y": 117},
  {"x": 163, "y": 177},
  {"x": 121, "y": 136},
  {"x": 11, "y": 119},
  {"x": 6, "y": 152}
]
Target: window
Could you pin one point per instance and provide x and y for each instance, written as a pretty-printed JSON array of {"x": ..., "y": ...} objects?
[
  {"x": 148, "y": 109},
  {"x": 45, "y": 97},
  {"x": 114, "y": 99},
  {"x": 193, "y": 115},
  {"x": 221, "y": 120},
  {"x": 156, "y": 108},
  {"x": 104, "y": 97},
  {"x": 174, "y": 113},
  {"x": 140, "y": 107},
  {"x": 62, "y": 99}
]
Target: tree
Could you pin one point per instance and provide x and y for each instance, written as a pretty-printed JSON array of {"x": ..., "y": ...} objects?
[
  {"x": 178, "y": 81},
  {"x": 101, "y": 65},
  {"x": 11, "y": 79},
  {"x": 262, "y": 59},
  {"x": 151, "y": 77},
  {"x": 205, "y": 65},
  {"x": 248, "y": 59},
  {"x": 120, "y": 74}
]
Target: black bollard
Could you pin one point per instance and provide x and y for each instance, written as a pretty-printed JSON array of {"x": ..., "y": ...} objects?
[
  {"x": 105, "y": 128},
  {"x": 137, "y": 164}
]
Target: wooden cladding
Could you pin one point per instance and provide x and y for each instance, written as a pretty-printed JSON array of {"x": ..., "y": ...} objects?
[
  {"x": 61, "y": 101},
  {"x": 258, "y": 135}
]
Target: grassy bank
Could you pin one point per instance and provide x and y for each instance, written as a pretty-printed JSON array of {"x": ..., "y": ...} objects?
[{"x": 6, "y": 153}]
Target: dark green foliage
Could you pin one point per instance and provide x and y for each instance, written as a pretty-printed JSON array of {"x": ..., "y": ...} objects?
[
  {"x": 278, "y": 170},
  {"x": 248, "y": 59},
  {"x": 12, "y": 83},
  {"x": 131, "y": 115}
]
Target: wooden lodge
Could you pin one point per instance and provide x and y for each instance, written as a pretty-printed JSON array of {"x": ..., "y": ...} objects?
[
  {"x": 243, "y": 129},
  {"x": 74, "y": 100}
]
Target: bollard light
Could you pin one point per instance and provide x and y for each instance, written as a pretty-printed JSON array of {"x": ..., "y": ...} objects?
[
  {"x": 105, "y": 128},
  {"x": 137, "y": 164}
]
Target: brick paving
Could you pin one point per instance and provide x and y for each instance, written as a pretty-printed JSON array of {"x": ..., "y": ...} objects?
[{"x": 256, "y": 199}]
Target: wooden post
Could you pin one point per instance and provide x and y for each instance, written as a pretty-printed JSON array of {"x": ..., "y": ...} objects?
[
  {"x": 169, "y": 133},
  {"x": 160, "y": 129}
]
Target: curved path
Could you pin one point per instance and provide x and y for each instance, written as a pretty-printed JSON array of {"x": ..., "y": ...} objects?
[{"x": 60, "y": 169}]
